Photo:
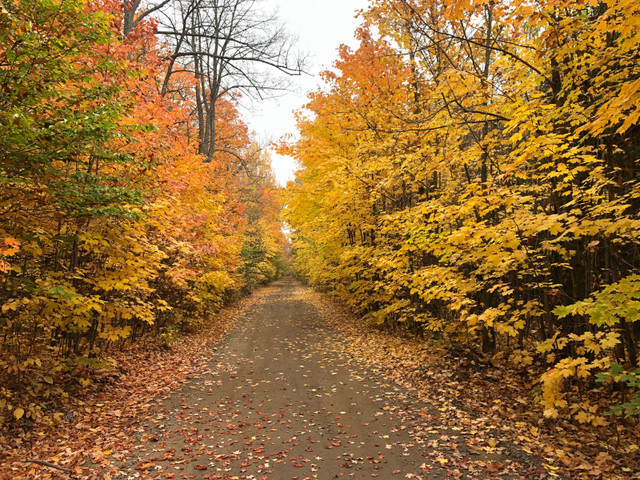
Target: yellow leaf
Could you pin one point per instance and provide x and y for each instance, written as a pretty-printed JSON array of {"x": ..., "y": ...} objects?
[
  {"x": 582, "y": 417},
  {"x": 18, "y": 413},
  {"x": 12, "y": 305}
]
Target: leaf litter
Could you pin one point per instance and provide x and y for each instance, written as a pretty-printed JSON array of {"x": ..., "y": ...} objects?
[
  {"x": 285, "y": 395},
  {"x": 287, "y": 398}
]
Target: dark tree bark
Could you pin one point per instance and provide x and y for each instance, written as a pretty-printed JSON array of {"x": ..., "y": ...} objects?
[{"x": 132, "y": 17}]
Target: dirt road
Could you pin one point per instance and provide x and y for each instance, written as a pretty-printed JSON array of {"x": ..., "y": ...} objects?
[{"x": 283, "y": 399}]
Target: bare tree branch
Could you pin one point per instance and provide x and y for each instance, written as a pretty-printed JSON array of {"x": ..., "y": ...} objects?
[{"x": 230, "y": 45}]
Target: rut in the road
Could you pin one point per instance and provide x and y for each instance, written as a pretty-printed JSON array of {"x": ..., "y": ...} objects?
[{"x": 283, "y": 399}]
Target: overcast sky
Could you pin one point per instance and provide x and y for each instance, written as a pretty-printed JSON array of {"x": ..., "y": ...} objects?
[{"x": 321, "y": 26}]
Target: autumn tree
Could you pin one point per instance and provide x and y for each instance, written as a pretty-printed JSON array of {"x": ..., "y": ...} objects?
[
  {"x": 486, "y": 189},
  {"x": 114, "y": 227}
]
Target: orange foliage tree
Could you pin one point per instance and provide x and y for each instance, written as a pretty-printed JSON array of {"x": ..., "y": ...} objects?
[{"x": 112, "y": 226}]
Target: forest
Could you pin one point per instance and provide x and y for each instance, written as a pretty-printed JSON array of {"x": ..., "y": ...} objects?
[
  {"x": 469, "y": 179},
  {"x": 470, "y": 175},
  {"x": 133, "y": 200}
]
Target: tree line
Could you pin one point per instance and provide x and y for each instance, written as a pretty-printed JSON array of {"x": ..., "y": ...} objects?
[
  {"x": 133, "y": 200},
  {"x": 470, "y": 173}
]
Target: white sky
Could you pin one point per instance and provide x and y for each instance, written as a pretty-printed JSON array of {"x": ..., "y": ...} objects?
[{"x": 321, "y": 26}]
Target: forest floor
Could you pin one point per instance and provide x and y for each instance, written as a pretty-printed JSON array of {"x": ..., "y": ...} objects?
[{"x": 281, "y": 391}]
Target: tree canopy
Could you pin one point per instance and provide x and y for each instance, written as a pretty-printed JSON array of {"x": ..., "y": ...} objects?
[
  {"x": 470, "y": 174},
  {"x": 113, "y": 227}
]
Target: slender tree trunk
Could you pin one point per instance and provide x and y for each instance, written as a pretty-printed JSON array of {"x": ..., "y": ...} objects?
[
  {"x": 128, "y": 23},
  {"x": 485, "y": 86}
]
